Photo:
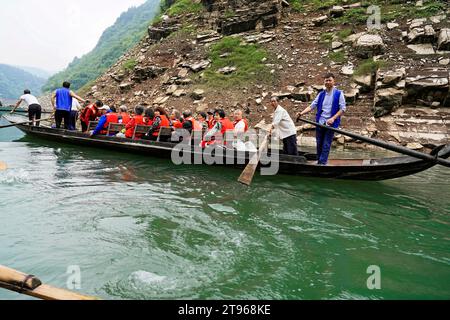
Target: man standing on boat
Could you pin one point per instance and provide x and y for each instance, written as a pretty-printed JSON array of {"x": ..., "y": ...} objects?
[
  {"x": 285, "y": 126},
  {"x": 34, "y": 107},
  {"x": 330, "y": 105},
  {"x": 62, "y": 104}
]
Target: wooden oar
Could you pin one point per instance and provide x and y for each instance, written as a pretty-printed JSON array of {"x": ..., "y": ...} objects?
[
  {"x": 249, "y": 172},
  {"x": 22, "y": 123},
  {"x": 31, "y": 286},
  {"x": 385, "y": 145}
]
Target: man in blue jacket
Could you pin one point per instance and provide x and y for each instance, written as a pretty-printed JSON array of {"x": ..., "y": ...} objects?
[
  {"x": 62, "y": 104},
  {"x": 330, "y": 105}
]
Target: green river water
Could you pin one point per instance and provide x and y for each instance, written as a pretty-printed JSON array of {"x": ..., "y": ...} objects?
[{"x": 142, "y": 228}]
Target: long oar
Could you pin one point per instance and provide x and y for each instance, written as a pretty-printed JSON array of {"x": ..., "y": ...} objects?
[
  {"x": 385, "y": 145},
  {"x": 249, "y": 172},
  {"x": 23, "y": 123},
  {"x": 31, "y": 286}
]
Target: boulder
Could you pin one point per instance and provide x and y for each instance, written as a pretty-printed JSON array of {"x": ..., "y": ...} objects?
[
  {"x": 348, "y": 70},
  {"x": 158, "y": 33},
  {"x": 147, "y": 72},
  {"x": 183, "y": 73},
  {"x": 180, "y": 92},
  {"x": 170, "y": 91},
  {"x": 304, "y": 95},
  {"x": 198, "y": 94},
  {"x": 336, "y": 45},
  {"x": 161, "y": 100},
  {"x": 444, "y": 39},
  {"x": 422, "y": 49},
  {"x": 320, "y": 21},
  {"x": 422, "y": 35},
  {"x": 366, "y": 82},
  {"x": 351, "y": 95},
  {"x": 390, "y": 78},
  {"x": 125, "y": 86},
  {"x": 392, "y": 25},
  {"x": 416, "y": 23},
  {"x": 197, "y": 66},
  {"x": 337, "y": 11},
  {"x": 369, "y": 45},
  {"x": 428, "y": 84},
  {"x": 227, "y": 70},
  {"x": 387, "y": 100}
]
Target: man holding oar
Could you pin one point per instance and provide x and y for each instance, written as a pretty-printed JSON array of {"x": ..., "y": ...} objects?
[
  {"x": 283, "y": 123},
  {"x": 34, "y": 107},
  {"x": 330, "y": 105},
  {"x": 62, "y": 104}
]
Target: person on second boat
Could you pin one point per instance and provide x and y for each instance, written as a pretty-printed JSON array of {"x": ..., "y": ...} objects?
[
  {"x": 176, "y": 121},
  {"x": 137, "y": 120},
  {"x": 34, "y": 107},
  {"x": 331, "y": 106},
  {"x": 218, "y": 134},
  {"x": 90, "y": 113},
  {"x": 160, "y": 121},
  {"x": 109, "y": 115},
  {"x": 285, "y": 128}
]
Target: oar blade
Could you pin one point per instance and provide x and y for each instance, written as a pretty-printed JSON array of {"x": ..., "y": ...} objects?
[{"x": 247, "y": 175}]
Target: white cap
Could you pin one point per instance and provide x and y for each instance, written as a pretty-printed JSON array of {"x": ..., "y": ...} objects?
[{"x": 107, "y": 108}]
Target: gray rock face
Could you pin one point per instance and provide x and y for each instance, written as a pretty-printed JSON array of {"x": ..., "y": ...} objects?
[
  {"x": 422, "y": 49},
  {"x": 125, "y": 86},
  {"x": 366, "y": 83},
  {"x": 387, "y": 100},
  {"x": 369, "y": 45},
  {"x": 422, "y": 35},
  {"x": 148, "y": 72},
  {"x": 428, "y": 85},
  {"x": 158, "y": 33},
  {"x": 444, "y": 39}
]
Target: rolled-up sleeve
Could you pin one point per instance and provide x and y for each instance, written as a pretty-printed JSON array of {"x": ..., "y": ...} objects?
[
  {"x": 342, "y": 102},
  {"x": 315, "y": 102}
]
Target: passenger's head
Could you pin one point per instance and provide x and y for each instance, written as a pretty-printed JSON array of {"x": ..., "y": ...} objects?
[
  {"x": 139, "y": 110},
  {"x": 104, "y": 110},
  {"x": 210, "y": 114},
  {"x": 99, "y": 104},
  {"x": 175, "y": 115},
  {"x": 113, "y": 109},
  {"x": 201, "y": 116},
  {"x": 238, "y": 115},
  {"x": 26, "y": 91},
  {"x": 66, "y": 85},
  {"x": 219, "y": 115},
  {"x": 123, "y": 109},
  {"x": 187, "y": 114},
  {"x": 330, "y": 80},
  {"x": 274, "y": 102},
  {"x": 159, "y": 111},
  {"x": 150, "y": 113}
]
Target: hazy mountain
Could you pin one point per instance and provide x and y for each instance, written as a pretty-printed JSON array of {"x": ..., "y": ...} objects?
[
  {"x": 40, "y": 73},
  {"x": 14, "y": 80}
]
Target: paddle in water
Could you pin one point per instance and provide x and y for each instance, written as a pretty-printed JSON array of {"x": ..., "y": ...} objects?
[{"x": 249, "y": 172}]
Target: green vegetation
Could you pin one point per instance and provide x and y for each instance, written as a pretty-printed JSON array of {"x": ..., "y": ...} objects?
[
  {"x": 296, "y": 5},
  {"x": 369, "y": 66},
  {"x": 345, "y": 33},
  {"x": 246, "y": 58},
  {"x": 129, "y": 64},
  {"x": 338, "y": 57},
  {"x": 184, "y": 6},
  {"x": 229, "y": 13},
  {"x": 326, "y": 37},
  {"x": 127, "y": 31},
  {"x": 14, "y": 80}
]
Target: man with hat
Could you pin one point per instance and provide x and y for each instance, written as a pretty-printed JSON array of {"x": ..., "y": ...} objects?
[{"x": 108, "y": 115}]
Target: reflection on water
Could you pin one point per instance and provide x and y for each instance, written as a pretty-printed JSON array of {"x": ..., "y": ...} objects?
[{"x": 142, "y": 228}]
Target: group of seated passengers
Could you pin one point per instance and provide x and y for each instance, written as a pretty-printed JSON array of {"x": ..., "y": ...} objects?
[{"x": 212, "y": 126}]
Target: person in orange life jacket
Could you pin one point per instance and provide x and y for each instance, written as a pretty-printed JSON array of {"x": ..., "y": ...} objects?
[
  {"x": 124, "y": 115},
  {"x": 149, "y": 115},
  {"x": 90, "y": 113},
  {"x": 109, "y": 115},
  {"x": 176, "y": 122},
  {"x": 330, "y": 105},
  {"x": 218, "y": 133},
  {"x": 189, "y": 123},
  {"x": 285, "y": 127},
  {"x": 202, "y": 119},
  {"x": 240, "y": 128},
  {"x": 137, "y": 120},
  {"x": 160, "y": 121},
  {"x": 62, "y": 104}
]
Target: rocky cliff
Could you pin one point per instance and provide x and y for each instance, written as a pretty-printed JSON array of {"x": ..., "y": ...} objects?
[{"x": 237, "y": 53}]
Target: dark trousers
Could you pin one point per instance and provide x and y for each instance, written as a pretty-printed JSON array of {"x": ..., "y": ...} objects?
[
  {"x": 73, "y": 120},
  {"x": 34, "y": 113},
  {"x": 61, "y": 115},
  {"x": 290, "y": 146},
  {"x": 324, "y": 139},
  {"x": 84, "y": 126}
]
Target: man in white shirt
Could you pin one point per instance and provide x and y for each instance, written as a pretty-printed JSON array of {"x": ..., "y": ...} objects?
[
  {"x": 76, "y": 107},
  {"x": 34, "y": 107},
  {"x": 285, "y": 126}
]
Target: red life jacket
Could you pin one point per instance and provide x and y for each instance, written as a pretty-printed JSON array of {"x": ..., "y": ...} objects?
[
  {"x": 211, "y": 123},
  {"x": 89, "y": 114},
  {"x": 177, "y": 124},
  {"x": 110, "y": 118},
  {"x": 136, "y": 121},
  {"x": 125, "y": 117},
  {"x": 246, "y": 124},
  {"x": 196, "y": 126},
  {"x": 227, "y": 125},
  {"x": 165, "y": 123}
]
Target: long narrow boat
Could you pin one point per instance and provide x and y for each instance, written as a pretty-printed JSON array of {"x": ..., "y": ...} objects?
[{"x": 303, "y": 165}]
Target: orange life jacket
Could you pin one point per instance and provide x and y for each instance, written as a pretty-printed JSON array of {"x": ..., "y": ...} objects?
[
  {"x": 125, "y": 117},
  {"x": 165, "y": 123},
  {"x": 136, "y": 121},
  {"x": 211, "y": 123},
  {"x": 196, "y": 126},
  {"x": 110, "y": 118},
  {"x": 89, "y": 114},
  {"x": 177, "y": 124},
  {"x": 246, "y": 124},
  {"x": 227, "y": 125}
]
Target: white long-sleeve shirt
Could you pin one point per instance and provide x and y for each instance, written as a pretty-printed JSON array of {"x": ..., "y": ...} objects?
[{"x": 283, "y": 122}]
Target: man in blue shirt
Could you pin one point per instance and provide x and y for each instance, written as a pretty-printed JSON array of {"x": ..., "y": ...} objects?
[
  {"x": 330, "y": 105},
  {"x": 62, "y": 104}
]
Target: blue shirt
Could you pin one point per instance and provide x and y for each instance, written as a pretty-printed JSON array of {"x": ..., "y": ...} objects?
[
  {"x": 101, "y": 124},
  {"x": 63, "y": 99},
  {"x": 328, "y": 105}
]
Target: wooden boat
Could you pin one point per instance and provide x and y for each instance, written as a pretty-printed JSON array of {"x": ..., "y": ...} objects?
[{"x": 303, "y": 165}]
